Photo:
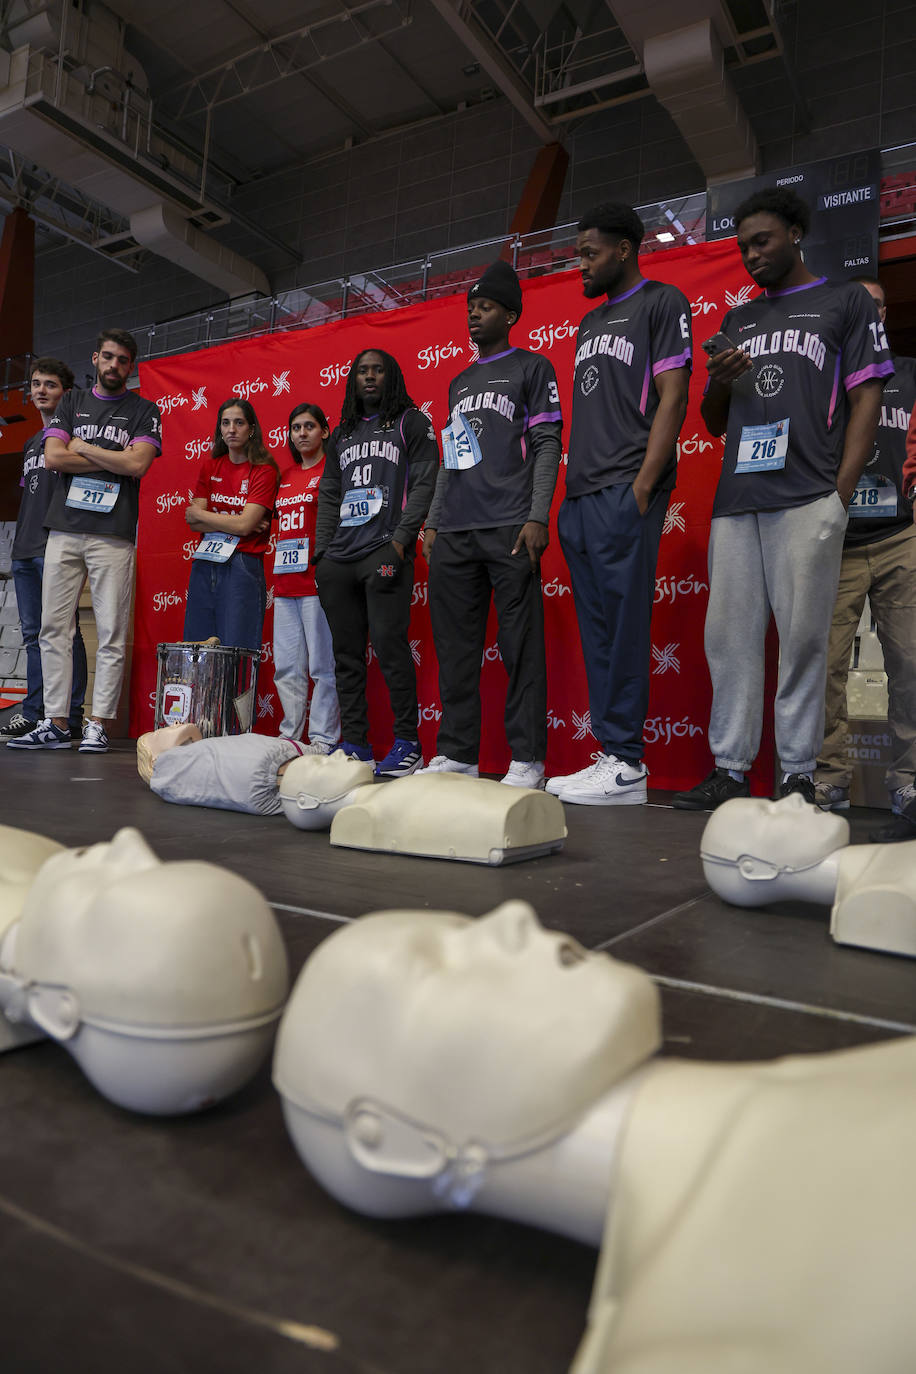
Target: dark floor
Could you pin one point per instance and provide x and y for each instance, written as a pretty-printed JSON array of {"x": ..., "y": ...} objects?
[{"x": 201, "y": 1245}]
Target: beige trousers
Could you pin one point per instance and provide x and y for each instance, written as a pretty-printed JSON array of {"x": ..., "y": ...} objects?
[
  {"x": 885, "y": 572},
  {"x": 108, "y": 563}
]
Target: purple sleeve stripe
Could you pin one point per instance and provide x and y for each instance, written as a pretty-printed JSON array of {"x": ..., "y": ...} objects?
[
  {"x": 147, "y": 439},
  {"x": 868, "y": 374},
  {"x": 548, "y": 417},
  {"x": 684, "y": 359},
  {"x": 58, "y": 434}
]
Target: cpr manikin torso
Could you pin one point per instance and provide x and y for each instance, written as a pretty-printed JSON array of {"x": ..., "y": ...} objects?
[
  {"x": 755, "y": 852},
  {"x": 164, "y": 981},
  {"x": 757, "y": 1218}
]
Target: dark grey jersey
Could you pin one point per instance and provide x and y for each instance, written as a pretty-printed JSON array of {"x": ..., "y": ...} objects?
[
  {"x": 377, "y": 484},
  {"x": 111, "y": 422},
  {"x": 879, "y": 506},
  {"x": 493, "y": 406},
  {"x": 621, "y": 348},
  {"x": 38, "y": 485},
  {"x": 810, "y": 345}
]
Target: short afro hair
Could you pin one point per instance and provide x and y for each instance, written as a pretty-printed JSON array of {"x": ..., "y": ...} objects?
[
  {"x": 776, "y": 200},
  {"x": 616, "y": 220}
]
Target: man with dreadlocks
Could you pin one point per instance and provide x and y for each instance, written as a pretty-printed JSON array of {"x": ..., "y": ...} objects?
[{"x": 378, "y": 481}]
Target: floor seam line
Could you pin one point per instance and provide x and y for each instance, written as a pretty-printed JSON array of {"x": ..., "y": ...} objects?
[
  {"x": 653, "y": 920},
  {"x": 781, "y": 1003},
  {"x": 311, "y": 911}
]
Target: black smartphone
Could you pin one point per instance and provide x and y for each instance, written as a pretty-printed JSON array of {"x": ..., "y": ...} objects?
[{"x": 719, "y": 343}]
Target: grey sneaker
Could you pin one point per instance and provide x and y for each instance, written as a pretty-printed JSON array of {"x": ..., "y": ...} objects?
[
  {"x": 829, "y": 797},
  {"x": 45, "y": 735},
  {"x": 903, "y": 802},
  {"x": 95, "y": 740}
]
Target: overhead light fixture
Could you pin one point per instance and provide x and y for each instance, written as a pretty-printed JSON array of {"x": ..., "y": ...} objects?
[
  {"x": 664, "y": 237},
  {"x": 472, "y": 69}
]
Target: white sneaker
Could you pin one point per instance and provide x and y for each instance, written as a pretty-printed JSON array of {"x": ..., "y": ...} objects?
[
  {"x": 524, "y": 775},
  {"x": 442, "y": 764},
  {"x": 607, "y": 782},
  {"x": 317, "y": 747}
]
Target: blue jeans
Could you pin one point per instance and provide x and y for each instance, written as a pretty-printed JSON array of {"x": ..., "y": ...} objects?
[
  {"x": 228, "y": 600},
  {"x": 27, "y": 575}
]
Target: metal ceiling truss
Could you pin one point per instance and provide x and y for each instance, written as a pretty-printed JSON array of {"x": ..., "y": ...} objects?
[
  {"x": 290, "y": 54},
  {"x": 63, "y": 210}
]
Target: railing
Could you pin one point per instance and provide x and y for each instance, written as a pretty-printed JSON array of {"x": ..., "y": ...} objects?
[
  {"x": 443, "y": 273},
  {"x": 449, "y": 272}
]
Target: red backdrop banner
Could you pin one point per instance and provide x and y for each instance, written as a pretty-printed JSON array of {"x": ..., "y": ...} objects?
[{"x": 430, "y": 342}]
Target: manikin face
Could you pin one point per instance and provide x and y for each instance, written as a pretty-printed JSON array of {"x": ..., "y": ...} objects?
[
  {"x": 788, "y": 833},
  {"x": 307, "y": 437},
  {"x": 112, "y": 363},
  {"x": 143, "y": 941},
  {"x": 314, "y": 787},
  {"x": 234, "y": 430},
  {"x": 46, "y": 391},
  {"x": 495, "y": 1029},
  {"x": 603, "y": 262},
  {"x": 370, "y": 380},
  {"x": 768, "y": 247}
]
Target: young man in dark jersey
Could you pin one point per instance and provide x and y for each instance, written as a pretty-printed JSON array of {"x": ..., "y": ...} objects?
[
  {"x": 796, "y": 389},
  {"x": 879, "y": 561},
  {"x": 102, "y": 441},
  {"x": 48, "y": 381},
  {"x": 486, "y": 532},
  {"x": 632, "y": 368},
  {"x": 378, "y": 480}
]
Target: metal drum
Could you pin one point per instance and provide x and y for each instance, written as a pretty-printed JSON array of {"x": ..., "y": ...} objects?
[{"x": 213, "y": 687}]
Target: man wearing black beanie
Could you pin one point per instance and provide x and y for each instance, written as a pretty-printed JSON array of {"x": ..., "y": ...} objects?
[{"x": 487, "y": 529}]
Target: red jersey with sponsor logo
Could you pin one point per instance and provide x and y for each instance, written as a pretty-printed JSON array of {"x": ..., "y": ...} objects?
[
  {"x": 228, "y": 488},
  {"x": 297, "y": 507}
]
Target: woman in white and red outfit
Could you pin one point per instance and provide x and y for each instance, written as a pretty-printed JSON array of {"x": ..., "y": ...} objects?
[
  {"x": 236, "y": 488},
  {"x": 302, "y": 639}
]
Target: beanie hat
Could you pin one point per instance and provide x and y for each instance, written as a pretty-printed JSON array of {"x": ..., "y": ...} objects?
[{"x": 499, "y": 283}]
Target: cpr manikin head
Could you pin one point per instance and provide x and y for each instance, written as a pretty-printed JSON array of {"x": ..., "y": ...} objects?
[
  {"x": 419, "y": 1047},
  {"x": 163, "y": 980},
  {"x": 314, "y": 787},
  {"x": 756, "y": 851}
]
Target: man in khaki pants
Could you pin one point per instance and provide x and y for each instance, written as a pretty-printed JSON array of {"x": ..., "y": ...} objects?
[
  {"x": 102, "y": 440},
  {"x": 879, "y": 561}
]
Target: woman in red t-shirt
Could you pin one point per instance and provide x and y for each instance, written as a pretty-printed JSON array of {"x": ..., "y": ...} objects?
[
  {"x": 302, "y": 638},
  {"x": 236, "y": 487}
]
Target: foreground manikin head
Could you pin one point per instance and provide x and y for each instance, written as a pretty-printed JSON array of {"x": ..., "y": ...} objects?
[
  {"x": 419, "y": 1045},
  {"x": 313, "y": 788},
  {"x": 756, "y": 851},
  {"x": 163, "y": 980}
]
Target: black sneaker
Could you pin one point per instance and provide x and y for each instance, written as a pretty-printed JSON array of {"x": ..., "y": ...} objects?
[
  {"x": 799, "y": 782},
  {"x": 17, "y": 726},
  {"x": 719, "y": 787},
  {"x": 897, "y": 828}
]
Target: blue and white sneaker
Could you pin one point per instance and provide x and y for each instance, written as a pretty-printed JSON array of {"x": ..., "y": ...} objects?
[
  {"x": 608, "y": 781},
  {"x": 45, "y": 736},
  {"x": 362, "y": 752},
  {"x": 95, "y": 739},
  {"x": 404, "y": 757}
]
